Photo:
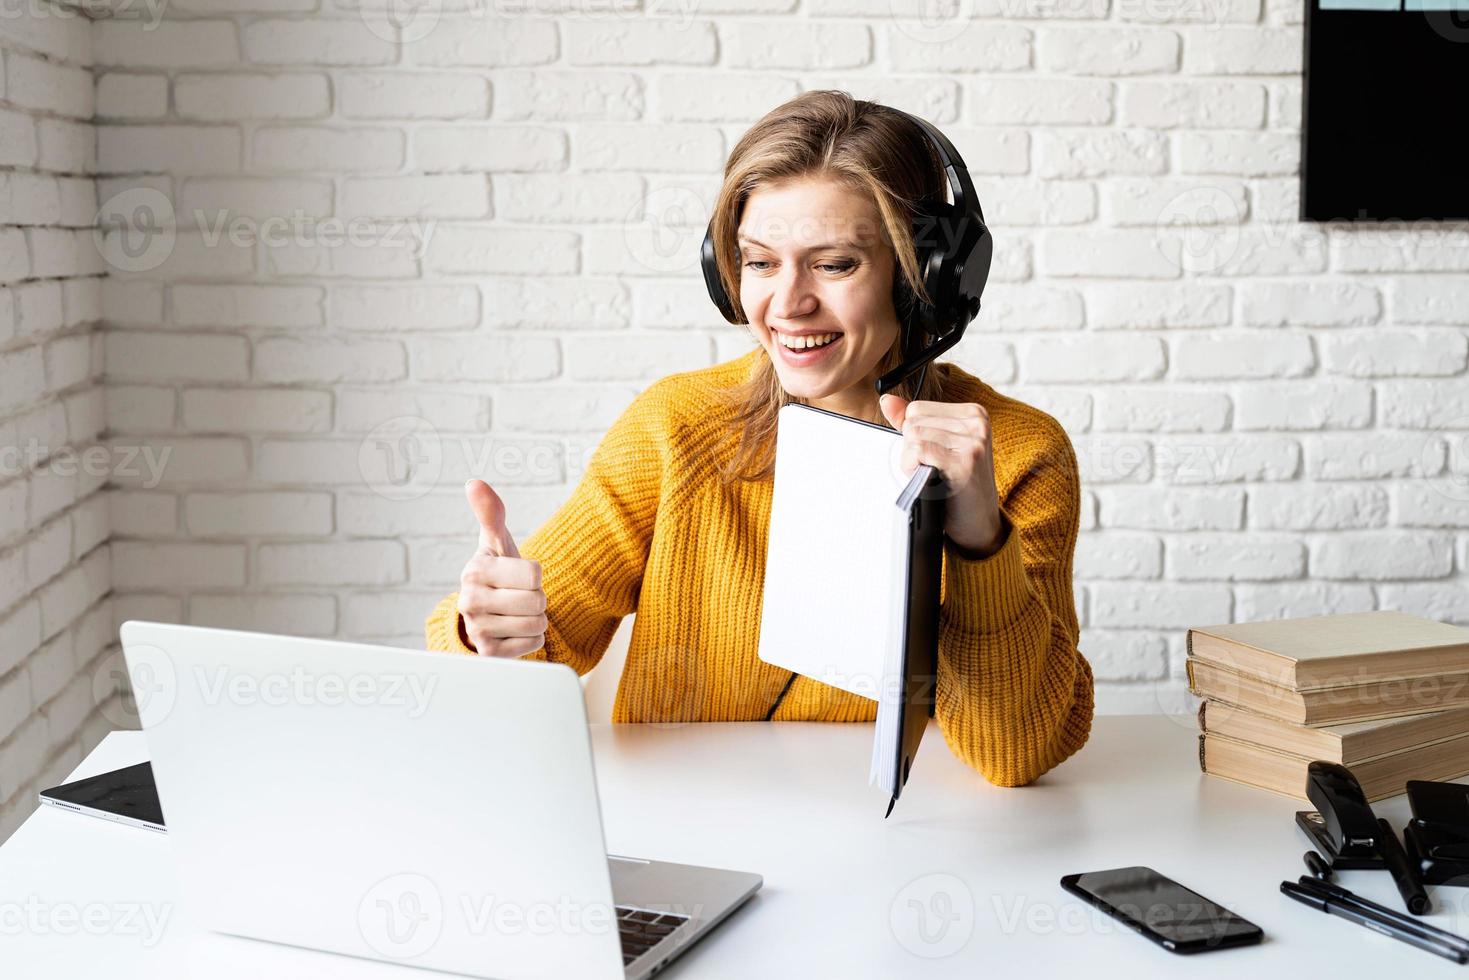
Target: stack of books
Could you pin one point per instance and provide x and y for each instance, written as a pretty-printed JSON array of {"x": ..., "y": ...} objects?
[{"x": 1384, "y": 693}]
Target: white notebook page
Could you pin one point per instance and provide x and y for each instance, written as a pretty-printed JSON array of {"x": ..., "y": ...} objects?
[{"x": 837, "y": 546}]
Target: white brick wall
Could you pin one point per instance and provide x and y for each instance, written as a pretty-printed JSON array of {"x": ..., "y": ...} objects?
[
  {"x": 392, "y": 257},
  {"x": 1274, "y": 389},
  {"x": 56, "y": 620}
]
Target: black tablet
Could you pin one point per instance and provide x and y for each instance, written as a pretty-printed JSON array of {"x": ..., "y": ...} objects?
[{"x": 124, "y": 795}]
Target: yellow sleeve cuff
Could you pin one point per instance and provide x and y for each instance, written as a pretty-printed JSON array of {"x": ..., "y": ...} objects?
[
  {"x": 441, "y": 630},
  {"x": 444, "y": 631}
]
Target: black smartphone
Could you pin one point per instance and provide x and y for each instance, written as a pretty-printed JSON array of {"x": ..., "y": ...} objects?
[{"x": 1176, "y": 918}]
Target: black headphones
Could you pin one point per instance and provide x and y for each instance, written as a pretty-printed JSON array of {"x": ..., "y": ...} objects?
[{"x": 954, "y": 252}]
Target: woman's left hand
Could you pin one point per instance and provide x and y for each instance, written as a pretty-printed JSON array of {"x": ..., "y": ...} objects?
[{"x": 954, "y": 438}]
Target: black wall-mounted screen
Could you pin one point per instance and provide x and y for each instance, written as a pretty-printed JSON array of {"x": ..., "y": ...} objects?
[{"x": 1383, "y": 124}]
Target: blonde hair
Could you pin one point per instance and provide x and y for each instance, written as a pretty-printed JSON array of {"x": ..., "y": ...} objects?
[{"x": 859, "y": 144}]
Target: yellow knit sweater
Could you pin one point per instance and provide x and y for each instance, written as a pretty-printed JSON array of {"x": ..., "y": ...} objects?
[{"x": 650, "y": 530}]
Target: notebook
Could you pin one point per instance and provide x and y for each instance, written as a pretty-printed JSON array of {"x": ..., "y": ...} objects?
[{"x": 852, "y": 574}]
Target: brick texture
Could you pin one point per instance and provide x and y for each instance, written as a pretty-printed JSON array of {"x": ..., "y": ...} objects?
[{"x": 385, "y": 257}]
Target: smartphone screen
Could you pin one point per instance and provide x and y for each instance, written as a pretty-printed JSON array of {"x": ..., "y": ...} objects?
[{"x": 1177, "y": 918}]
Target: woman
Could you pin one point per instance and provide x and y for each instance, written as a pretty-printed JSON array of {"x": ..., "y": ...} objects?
[{"x": 813, "y": 231}]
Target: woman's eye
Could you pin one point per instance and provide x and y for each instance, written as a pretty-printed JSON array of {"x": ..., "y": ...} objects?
[{"x": 828, "y": 267}]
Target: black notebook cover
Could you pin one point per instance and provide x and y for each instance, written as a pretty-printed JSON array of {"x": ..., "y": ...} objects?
[{"x": 926, "y": 519}]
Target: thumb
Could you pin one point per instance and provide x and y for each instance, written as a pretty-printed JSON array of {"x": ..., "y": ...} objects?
[
  {"x": 489, "y": 510},
  {"x": 894, "y": 408}
]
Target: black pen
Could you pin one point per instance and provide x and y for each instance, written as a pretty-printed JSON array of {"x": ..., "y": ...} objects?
[
  {"x": 1373, "y": 921},
  {"x": 1328, "y": 889},
  {"x": 1404, "y": 875}
]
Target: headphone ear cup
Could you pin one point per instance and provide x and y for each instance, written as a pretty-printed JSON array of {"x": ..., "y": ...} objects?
[
  {"x": 915, "y": 315},
  {"x": 905, "y": 302},
  {"x": 709, "y": 263}
]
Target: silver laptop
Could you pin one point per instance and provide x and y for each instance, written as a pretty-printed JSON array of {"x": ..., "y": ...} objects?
[{"x": 421, "y": 808}]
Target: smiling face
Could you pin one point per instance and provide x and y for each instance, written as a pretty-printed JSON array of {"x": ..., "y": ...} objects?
[{"x": 816, "y": 282}]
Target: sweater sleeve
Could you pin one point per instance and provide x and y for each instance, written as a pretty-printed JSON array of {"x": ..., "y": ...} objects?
[
  {"x": 1014, "y": 694},
  {"x": 594, "y": 548}
]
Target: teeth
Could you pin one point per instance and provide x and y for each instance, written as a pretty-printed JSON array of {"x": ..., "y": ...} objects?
[{"x": 801, "y": 343}]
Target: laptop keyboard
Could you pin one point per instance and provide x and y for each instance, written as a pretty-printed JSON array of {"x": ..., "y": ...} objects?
[{"x": 642, "y": 929}]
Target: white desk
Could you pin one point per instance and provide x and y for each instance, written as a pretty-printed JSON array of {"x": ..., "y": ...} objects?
[{"x": 791, "y": 802}]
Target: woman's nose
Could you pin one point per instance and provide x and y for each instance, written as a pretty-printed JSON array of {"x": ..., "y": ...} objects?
[{"x": 793, "y": 297}]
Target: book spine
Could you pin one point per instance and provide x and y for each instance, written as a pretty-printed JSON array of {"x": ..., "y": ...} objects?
[
  {"x": 1202, "y": 705},
  {"x": 1202, "y": 767}
]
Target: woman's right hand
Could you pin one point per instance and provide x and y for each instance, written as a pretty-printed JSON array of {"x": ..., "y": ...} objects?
[{"x": 501, "y": 603}]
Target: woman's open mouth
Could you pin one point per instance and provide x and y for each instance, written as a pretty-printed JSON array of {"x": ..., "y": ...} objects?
[{"x": 806, "y": 350}]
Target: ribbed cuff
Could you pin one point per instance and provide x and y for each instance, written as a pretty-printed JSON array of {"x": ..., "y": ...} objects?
[
  {"x": 985, "y": 595},
  {"x": 441, "y": 629},
  {"x": 444, "y": 630}
]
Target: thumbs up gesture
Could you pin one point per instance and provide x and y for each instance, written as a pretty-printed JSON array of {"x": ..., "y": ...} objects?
[{"x": 501, "y": 605}]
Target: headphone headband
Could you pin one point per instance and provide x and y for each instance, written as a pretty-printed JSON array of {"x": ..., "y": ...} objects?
[{"x": 954, "y": 253}]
